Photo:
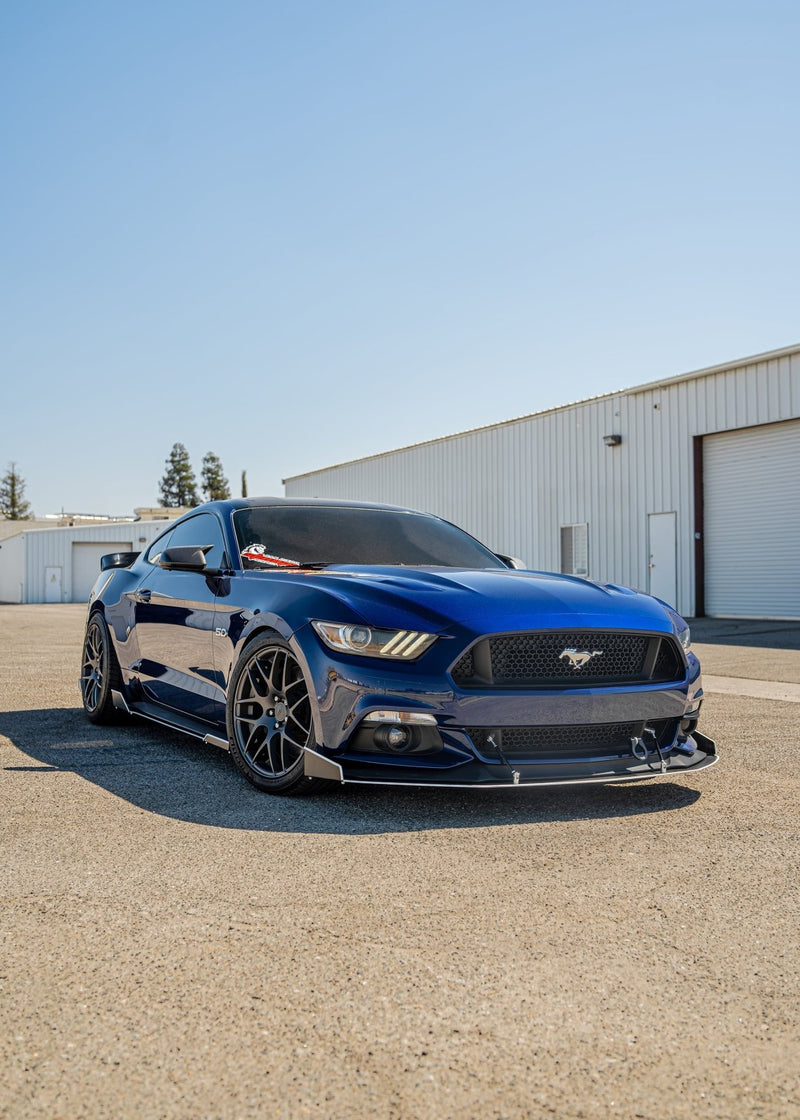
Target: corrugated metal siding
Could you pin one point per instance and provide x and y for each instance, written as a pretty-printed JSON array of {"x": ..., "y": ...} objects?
[
  {"x": 752, "y": 522},
  {"x": 12, "y": 569},
  {"x": 53, "y": 548},
  {"x": 515, "y": 484}
]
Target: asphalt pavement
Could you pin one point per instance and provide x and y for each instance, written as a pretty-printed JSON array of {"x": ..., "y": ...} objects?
[{"x": 174, "y": 944}]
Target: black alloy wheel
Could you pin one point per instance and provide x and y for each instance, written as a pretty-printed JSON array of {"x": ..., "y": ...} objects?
[
  {"x": 269, "y": 718},
  {"x": 99, "y": 672}
]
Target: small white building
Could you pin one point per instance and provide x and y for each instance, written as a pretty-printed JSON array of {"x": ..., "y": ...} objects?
[
  {"x": 688, "y": 487},
  {"x": 59, "y": 565}
]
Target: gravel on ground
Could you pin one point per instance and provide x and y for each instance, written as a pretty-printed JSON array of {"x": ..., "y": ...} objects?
[{"x": 174, "y": 944}]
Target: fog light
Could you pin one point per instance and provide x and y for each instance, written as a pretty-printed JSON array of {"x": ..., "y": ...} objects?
[{"x": 396, "y": 738}]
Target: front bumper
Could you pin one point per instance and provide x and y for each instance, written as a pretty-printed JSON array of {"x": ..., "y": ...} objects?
[
  {"x": 350, "y": 689},
  {"x": 482, "y": 775}
]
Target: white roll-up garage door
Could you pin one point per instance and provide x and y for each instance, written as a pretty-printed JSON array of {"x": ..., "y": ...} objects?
[
  {"x": 751, "y": 484},
  {"x": 86, "y": 564}
]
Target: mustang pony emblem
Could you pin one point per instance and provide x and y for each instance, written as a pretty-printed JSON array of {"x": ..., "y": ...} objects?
[{"x": 578, "y": 657}]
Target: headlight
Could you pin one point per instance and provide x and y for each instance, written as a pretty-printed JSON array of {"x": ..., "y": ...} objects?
[
  {"x": 682, "y": 632},
  {"x": 402, "y": 645}
]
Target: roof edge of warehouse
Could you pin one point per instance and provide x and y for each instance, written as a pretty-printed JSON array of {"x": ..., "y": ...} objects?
[{"x": 766, "y": 356}]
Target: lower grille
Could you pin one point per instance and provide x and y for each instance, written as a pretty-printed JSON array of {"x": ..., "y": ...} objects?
[{"x": 569, "y": 741}]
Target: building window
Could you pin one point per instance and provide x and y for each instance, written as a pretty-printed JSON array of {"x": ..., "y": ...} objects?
[{"x": 575, "y": 549}]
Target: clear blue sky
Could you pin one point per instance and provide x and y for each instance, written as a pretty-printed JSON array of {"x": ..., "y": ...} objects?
[{"x": 299, "y": 233}]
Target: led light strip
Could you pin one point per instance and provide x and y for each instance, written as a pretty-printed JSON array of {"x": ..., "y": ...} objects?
[
  {"x": 409, "y": 651},
  {"x": 395, "y": 644},
  {"x": 405, "y": 643}
]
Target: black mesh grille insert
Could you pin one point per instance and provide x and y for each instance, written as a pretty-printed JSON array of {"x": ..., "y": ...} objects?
[
  {"x": 567, "y": 659},
  {"x": 669, "y": 666},
  {"x": 573, "y": 741},
  {"x": 464, "y": 669}
]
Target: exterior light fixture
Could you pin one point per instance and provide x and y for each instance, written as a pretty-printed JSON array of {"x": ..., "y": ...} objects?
[{"x": 612, "y": 441}]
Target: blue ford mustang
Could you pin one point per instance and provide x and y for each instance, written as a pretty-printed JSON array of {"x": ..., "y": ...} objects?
[{"x": 338, "y": 641}]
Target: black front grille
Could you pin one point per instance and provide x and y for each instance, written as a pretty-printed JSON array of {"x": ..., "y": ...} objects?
[
  {"x": 464, "y": 670},
  {"x": 668, "y": 666},
  {"x": 573, "y": 741},
  {"x": 568, "y": 658}
]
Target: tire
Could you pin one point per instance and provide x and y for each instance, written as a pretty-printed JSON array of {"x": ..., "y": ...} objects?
[
  {"x": 100, "y": 672},
  {"x": 269, "y": 718}
]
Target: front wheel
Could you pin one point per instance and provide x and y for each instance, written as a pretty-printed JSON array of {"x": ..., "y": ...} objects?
[{"x": 269, "y": 718}]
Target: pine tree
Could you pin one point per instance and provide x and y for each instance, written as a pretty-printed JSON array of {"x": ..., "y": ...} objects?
[
  {"x": 12, "y": 496},
  {"x": 244, "y": 484},
  {"x": 213, "y": 482},
  {"x": 179, "y": 486}
]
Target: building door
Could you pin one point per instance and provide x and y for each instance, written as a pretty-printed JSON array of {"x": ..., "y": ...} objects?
[
  {"x": 52, "y": 585},
  {"x": 751, "y": 514},
  {"x": 86, "y": 557},
  {"x": 662, "y": 562}
]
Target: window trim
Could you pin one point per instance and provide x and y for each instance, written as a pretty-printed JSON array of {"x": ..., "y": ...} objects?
[{"x": 225, "y": 564}]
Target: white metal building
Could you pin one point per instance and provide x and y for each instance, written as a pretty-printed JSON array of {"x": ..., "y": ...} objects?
[
  {"x": 687, "y": 487},
  {"x": 59, "y": 565}
]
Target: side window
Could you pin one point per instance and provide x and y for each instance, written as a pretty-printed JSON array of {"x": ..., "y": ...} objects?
[
  {"x": 201, "y": 530},
  {"x": 157, "y": 547}
]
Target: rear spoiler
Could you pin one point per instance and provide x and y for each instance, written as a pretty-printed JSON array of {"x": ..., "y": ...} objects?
[{"x": 117, "y": 560}]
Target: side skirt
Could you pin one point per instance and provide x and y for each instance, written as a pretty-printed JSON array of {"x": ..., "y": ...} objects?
[
  {"x": 316, "y": 765},
  {"x": 155, "y": 715}
]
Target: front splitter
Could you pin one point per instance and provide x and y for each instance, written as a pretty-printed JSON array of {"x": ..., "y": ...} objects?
[{"x": 523, "y": 776}]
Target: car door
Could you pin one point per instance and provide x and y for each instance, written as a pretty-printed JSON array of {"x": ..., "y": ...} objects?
[{"x": 174, "y": 613}]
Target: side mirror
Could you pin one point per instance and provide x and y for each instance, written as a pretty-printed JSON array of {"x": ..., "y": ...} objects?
[
  {"x": 512, "y": 562},
  {"x": 117, "y": 560},
  {"x": 186, "y": 558}
]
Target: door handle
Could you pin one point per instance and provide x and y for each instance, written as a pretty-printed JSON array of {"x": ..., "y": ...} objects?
[{"x": 142, "y": 595}]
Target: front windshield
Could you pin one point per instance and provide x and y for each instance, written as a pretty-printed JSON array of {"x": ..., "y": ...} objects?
[{"x": 272, "y": 537}]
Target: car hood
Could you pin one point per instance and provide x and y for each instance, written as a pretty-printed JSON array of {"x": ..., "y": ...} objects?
[{"x": 489, "y": 599}]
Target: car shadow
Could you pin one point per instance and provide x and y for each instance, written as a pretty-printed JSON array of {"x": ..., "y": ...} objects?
[{"x": 175, "y": 776}]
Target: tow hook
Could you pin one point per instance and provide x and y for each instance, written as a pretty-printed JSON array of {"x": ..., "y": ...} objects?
[{"x": 640, "y": 749}]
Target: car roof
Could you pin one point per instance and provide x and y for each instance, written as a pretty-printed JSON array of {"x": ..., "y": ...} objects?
[{"x": 233, "y": 504}]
